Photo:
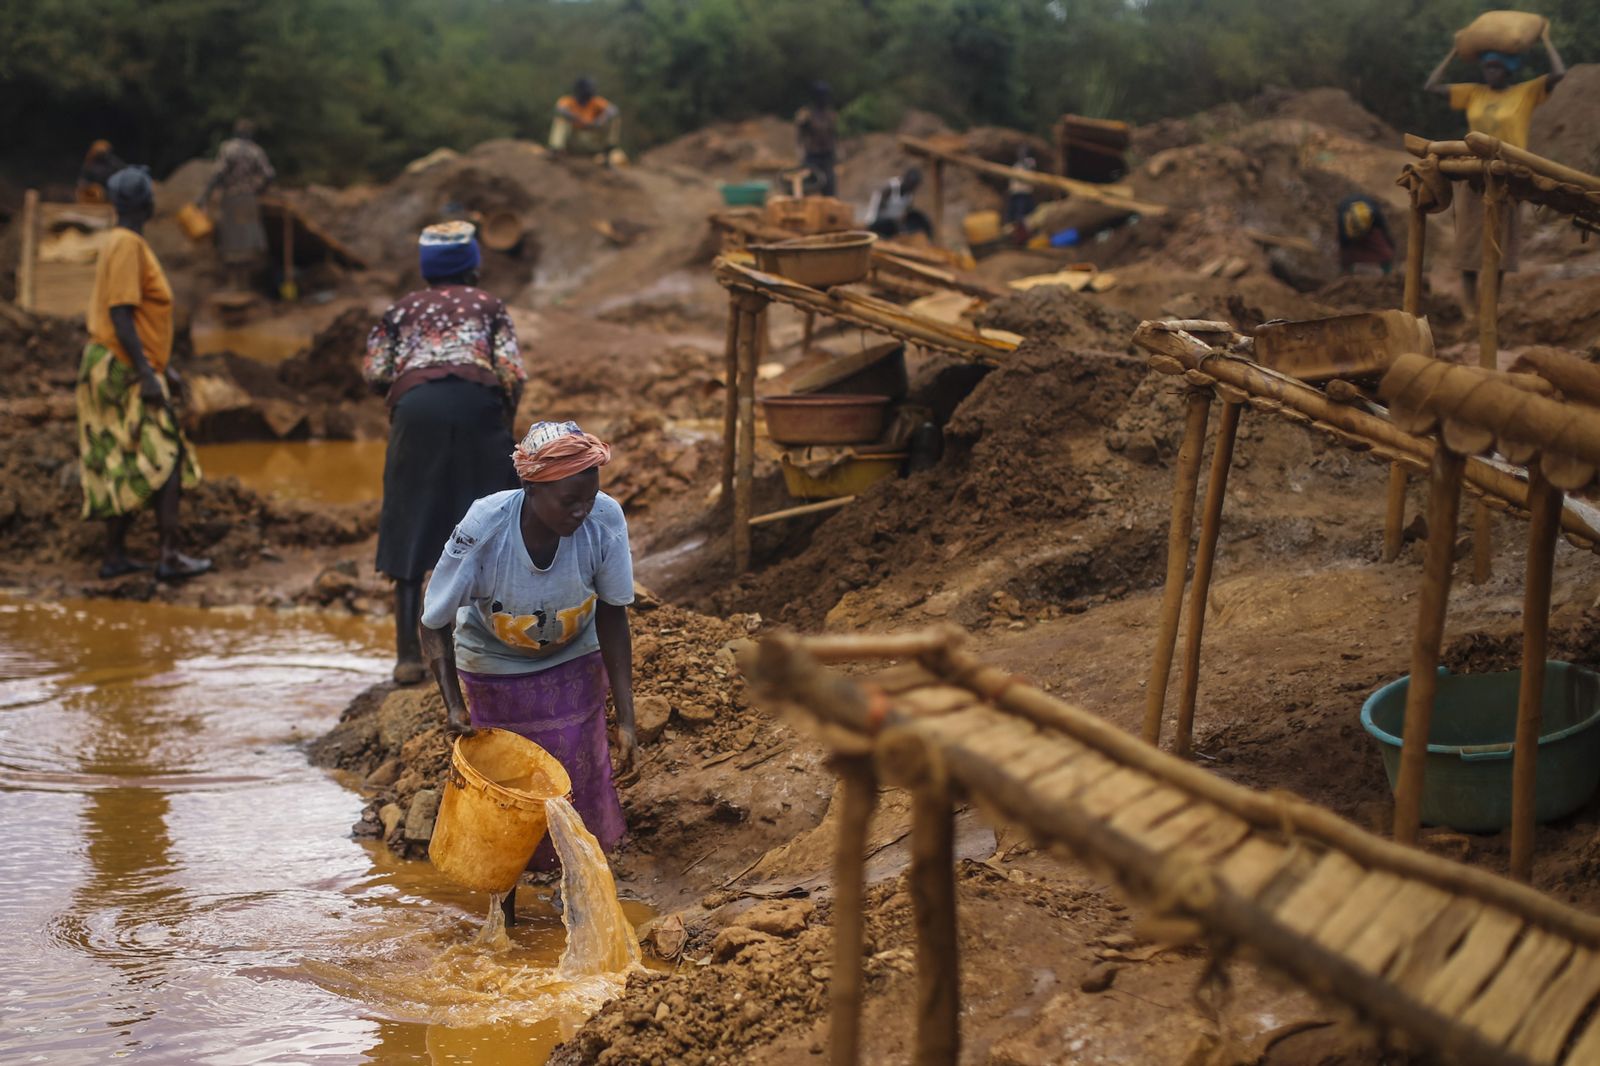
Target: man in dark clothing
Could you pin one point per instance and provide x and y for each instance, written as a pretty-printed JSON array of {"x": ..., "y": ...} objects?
[{"x": 817, "y": 128}]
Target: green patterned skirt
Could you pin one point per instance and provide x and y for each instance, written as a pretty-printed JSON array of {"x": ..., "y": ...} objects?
[{"x": 126, "y": 451}]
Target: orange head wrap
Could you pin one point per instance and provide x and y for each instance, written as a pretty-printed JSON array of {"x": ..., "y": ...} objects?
[{"x": 554, "y": 450}]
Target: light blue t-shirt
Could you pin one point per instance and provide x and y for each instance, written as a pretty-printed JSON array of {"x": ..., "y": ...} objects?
[{"x": 510, "y": 616}]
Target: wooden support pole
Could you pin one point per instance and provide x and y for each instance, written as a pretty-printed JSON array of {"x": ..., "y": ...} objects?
[
  {"x": 938, "y": 200},
  {"x": 27, "y": 264},
  {"x": 1444, "y": 499},
  {"x": 1544, "y": 504},
  {"x": 810, "y": 329},
  {"x": 750, "y": 330},
  {"x": 800, "y": 510},
  {"x": 1186, "y": 480},
  {"x": 1394, "y": 518},
  {"x": 288, "y": 289},
  {"x": 859, "y": 796},
  {"x": 1494, "y": 209},
  {"x": 933, "y": 900},
  {"x": 1205, "y": 556},
  {"x": 730, "y": 402}
]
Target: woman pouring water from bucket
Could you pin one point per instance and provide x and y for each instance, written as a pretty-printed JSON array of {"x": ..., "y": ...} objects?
[{"x": 525, "y": 622}]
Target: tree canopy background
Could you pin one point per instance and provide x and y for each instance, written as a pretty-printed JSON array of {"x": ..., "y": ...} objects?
[{"x": 345, "y": 90}]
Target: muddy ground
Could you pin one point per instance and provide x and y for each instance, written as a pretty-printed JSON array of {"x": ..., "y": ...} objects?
[{"x": 1041, "y": 533}]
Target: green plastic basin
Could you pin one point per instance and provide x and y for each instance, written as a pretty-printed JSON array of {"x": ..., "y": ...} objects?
[
  {"x": 745, "y": 193},
  {"x": 1471, "y": 740}
]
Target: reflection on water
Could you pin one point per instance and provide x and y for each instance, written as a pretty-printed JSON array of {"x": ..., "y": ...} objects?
[
  {"x": 324, "y": 471},
  {"x": 177, "y": 884}
]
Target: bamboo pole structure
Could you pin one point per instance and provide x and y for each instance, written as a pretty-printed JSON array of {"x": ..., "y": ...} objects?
[
  {"x": 933, "y": 900},
  {"x": 1118, "y": 196},
  {"x": 730, "y": 400},
  {"x": 1488, "y": 349},
  {"x": 1487, "y": 147},
  {"x": 1178, "y": 534},
  {"x": 1205, "y": 557},
  {"x": 1416, "y": 248},
  {"x": 1544, "y": 504},
  {"x": 1444, "y": 499},
  {"x": 744, "y": 474},
  {"x": 1274, "y": 392},
  {"x": 860, "y": 795},
  {"x": 786, "y": 670}
]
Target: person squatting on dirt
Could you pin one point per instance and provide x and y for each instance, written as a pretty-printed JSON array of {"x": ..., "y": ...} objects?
[
  {"x": 243, "y": 172},
  {"x": 446, "y": 358},
  {"x": 1501, "y": 109},
  {"x": 525, "y": 626},
  {"x": 586, "y": 123},
  {"x": 816, "y": 127},
  {"x": 890, "y": 213},
  {"x": 1363, "y": 234},
  {"x": 131, "y": 449}
]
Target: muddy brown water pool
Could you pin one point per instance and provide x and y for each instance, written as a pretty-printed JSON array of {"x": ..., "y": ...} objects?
[
  {"x": 178, "y": 884},
  {"x": 320, "y": 471}
]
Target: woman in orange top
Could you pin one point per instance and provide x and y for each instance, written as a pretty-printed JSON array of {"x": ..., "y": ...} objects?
[
  {"x": 1499, "y": 108},
  {"x": 585, "y": 122},
  {"x": 131, "y": 450}
]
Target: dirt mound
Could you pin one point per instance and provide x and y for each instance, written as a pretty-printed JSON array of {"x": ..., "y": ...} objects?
[
  {"x": 1018, "y": 454},
  {"x": 1566, "y": 127},
  {"x": 317, "y": 394},
  {"x": 586, "y": 227},
  {"x": 39, "y": 354},
  {"x": 1561, "y": 311},
  {"x": 1329, "y": 107},
  {"x": 394, "y": 740},
  {"x": 1369, "y": 292}
]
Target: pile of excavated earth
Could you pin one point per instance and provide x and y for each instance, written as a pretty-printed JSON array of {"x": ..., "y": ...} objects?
[{"x": 1041, "y": 532}]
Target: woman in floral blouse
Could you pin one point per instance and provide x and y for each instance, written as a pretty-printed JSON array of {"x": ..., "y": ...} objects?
[{"x": 447, "y": 358}]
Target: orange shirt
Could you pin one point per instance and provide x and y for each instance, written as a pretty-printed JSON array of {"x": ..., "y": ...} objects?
[
  {"x": 584, "y": 115},
  {"x": 127, "y": 273},
  {"x": 1503, "y": 113}
]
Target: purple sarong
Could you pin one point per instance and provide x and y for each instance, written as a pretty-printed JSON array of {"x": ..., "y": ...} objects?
[{"x": 563, "y": 710}]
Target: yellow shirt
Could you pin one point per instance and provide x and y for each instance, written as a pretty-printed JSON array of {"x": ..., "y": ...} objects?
[
  {"x": 1503, "y": 113},
  {"x": 127, "y": 274}
]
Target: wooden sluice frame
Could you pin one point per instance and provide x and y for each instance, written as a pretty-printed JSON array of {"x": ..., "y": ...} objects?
[
  {"x": 1507, "y": 176},
  {"x": 1474, "y": 411},
  {"x": 750, "y": 293},
  {"x": 1481, "y": 409},
  {"x": 1475, "y": 968}
]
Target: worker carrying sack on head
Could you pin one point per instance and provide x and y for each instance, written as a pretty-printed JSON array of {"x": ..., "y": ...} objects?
[
  {"x": 1500, "y": 108},
  {"x": 586, "y": 123}
]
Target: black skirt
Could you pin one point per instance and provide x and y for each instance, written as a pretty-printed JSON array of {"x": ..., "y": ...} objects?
[{"x": 448, "y": 446}]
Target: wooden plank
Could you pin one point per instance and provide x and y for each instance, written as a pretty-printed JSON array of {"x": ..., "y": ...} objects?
[
  {"x": 1547, "y": 1024},
  {"x": 1003, "y": 747},
  {"x": 1146, "y": 812},
  {"x": 903, "y": 677},
  {"x": 1481, "y": 954},
  {"x": 1220, "y": 834},
  {"x": 1252, "y": 867},
  {"x": 1518, "y": 985},
  {"x": 1322, "y": 892},
  {"x": 1116, "y": 791},
  {"x": 1050, "y": 754},
  {"x": 1367, "y": 900},
  {"x": 937, "y": 699},
  {"x": 960, "y": 725},
  {"x": 1407, "y": 914},
  {"x": 1433, "y": 944},
  {"x": 1586, "y": 1049},
  {"x": 1061, "y": 786}
]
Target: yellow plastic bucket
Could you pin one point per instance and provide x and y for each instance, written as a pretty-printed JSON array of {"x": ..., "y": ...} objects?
[
  {"x": 197, "y": 225},
  {"x": 492, "y": 815}
]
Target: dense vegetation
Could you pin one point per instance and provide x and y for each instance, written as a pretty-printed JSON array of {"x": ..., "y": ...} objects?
[{"x": 345, "y": 89}]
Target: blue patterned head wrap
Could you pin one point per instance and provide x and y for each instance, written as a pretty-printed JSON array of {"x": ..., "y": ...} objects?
[{"x": 448, "y": 249}]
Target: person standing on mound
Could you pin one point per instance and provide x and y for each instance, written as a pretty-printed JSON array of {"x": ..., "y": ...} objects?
[{"x": 525, "y": 624}]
